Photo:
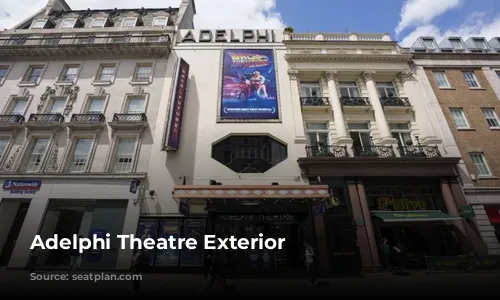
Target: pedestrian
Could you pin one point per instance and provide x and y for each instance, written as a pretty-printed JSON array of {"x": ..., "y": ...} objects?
[
  {"x": 34, "y": 254},
  {"x": 217, "y": 270},
  {"x": 74, "y": 256},
  {"x": 310, "y": 263},
  {"x": 385, "y": 251},
  {"x": 139, "y": 263}
]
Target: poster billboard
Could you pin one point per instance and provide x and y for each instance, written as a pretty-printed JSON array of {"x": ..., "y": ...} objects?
[
  {"x": 249, "y": 89},
  {"x": 168, "y": 257},
  {"x": 148, "y": 229},
  {"x": 195, "y": 229}
]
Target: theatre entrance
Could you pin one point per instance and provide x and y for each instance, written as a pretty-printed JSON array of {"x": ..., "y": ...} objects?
[{"x": 289, "y": 226}]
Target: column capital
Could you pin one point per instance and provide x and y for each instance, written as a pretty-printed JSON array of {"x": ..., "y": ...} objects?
[
  {"x": 330, "y": 75},
  {"x": 405, "y": 76},
  {"x": 294, "y": 74},
  {"x": 367, "y": 75}
]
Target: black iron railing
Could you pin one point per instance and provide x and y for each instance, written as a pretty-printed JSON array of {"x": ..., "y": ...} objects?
[
  {"x": 354, "y": 101},
  {"x": 83, "y": 40},
  {"x": 327, "y": 151},
  {"x": 11, "y": 119},
  {"x": 419, "y": 151},
  {"x": 395, "y": 101},
  {"x": 88, "y": 118},
  {"x": 139, "y": 117},
  {"x": 314, "y": 101},
  {"x": 373, "y": 151},
  {"x": 46, "y": 118}
]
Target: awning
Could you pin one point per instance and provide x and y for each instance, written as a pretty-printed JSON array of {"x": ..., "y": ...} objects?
[
  {"x": 251, "y": 192},
  {"x": 413, "y": 216}
]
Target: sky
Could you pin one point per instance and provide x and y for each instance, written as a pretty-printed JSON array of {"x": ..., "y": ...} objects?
[{"x": 404, "y": 20}]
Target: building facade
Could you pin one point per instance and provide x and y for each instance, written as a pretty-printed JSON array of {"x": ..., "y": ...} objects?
[
  {"x": 80, "y": 97},
  {"x": 462, "y": 78}
]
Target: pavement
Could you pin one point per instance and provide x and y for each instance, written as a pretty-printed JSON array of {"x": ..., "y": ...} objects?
[{"x": 374, "y": 284}]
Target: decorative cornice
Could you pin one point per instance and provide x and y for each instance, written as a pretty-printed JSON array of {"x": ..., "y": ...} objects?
[
  {"x": 331, "y": 75},
  {"x": 293, "y": 74},
  {"x": 347, "y": 57},
  {"x": 405, "y": 76},
  {"x": 367, "y": 75}
]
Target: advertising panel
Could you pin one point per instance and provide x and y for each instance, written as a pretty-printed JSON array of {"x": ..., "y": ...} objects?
[
  {"x": 195, "y": 229},
  {"x": 148, "y": 229},
  {"x": 168, "y": 257},
  {"x": 248, "y": 91}
]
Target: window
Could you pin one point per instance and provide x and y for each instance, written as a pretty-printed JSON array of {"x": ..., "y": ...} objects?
[
  {"x": 459, "y": 117},
  {"x": 498, "y": 74},
  {"x": 129, "y": 22},
  {"x": 310, "y": 89},
  {"x": 428, "y": 43},
  {"x": 361, "y": 139},
  {"x": 39, "y": 24},
  {"x": 480, "y": 43},
  {"x": 160, "y": 21},
  {"x": 33, "y": 74},
  {"x": 480, "y": 163},
  {"x": 471, "y": 80},
  {"x": 136, "y": 105},
  {"x": 17, "y": 106},
  {"x": 80, "y": 156},
  {"x": 56, "y": 106},
  {"x": 348, "y": 89},
  {"x": 68, "y": 23},
  {"x": 106, "y": 73},
  {"x": 491, "y": 117},
  {"x": 386, "y": 89},
  {"x": 441, "y": 79},
  {"x": 124, "y": 156},
  {"x": 456, "y": 44},
  {"x": 317, "y": 134},
  {"x": 96, "y": 105},
  {"x": 402, "y": 133},
  {"x": 3, "y": 73},
  {"x": 143, "y": 72},
  {"x": 98, "y": 22},
  {"x": 36, "y": 154},
  {"x": 3, "y": 146},
  {"x": 69, "y": 73}
]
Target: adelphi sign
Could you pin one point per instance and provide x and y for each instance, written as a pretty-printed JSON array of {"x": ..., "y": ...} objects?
[{"x": 229, "y": 36}]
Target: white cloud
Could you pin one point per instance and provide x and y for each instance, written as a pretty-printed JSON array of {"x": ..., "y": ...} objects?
[
  {"x": 422, "y": 12},
  {"x": 235, "y": 14}
]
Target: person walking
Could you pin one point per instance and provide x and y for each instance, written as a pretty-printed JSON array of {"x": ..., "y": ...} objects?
[
  {"x": 74, "y": 256},
  {"x": 216, "y": 270},
  {"x": 310, "y": 263},
  {"x": 385, "y": 250},
  {"x": 139, "y": 263},
  {"x": 34, "y": 254}
]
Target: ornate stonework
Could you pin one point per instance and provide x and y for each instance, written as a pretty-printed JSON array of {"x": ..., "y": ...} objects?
[
  {"x": 293, "y": 74},
  {"x": 405, "y": 76},
  {"x": 7, "y": 166},
  {"x": 68, "y": 91},
  {"x": 52, "y": 165},
  {"x": 331, "y": 75},
  {"x": 367, "y": 75}
]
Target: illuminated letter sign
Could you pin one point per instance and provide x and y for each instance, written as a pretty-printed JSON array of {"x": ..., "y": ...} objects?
[{"x": 177, "y": 106}]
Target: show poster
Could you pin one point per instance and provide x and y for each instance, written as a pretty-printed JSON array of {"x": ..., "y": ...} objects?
[
  {"x": 195, "y": 229},
  {"x": 249, "y": 85},
  {"x": 168, "y": 257},
  {"x": 147, "y": 229}
]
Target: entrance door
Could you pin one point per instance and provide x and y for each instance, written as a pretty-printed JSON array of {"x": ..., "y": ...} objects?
[
  {"x": 13, "y": 234},
  {"x": 68, "y": 224}
]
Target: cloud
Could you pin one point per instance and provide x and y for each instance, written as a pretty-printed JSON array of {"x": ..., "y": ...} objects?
[
  {"x": 422, "y": 12},
  {"x": 476, "y": 24},
  {"x": 234, "y": 14}
]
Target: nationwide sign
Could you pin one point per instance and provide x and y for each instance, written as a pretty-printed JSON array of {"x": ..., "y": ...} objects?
[
  {"x": 228, "y": 36},
  {"x": 177, "y": 106},
  {"x": 22, "y": 186}
]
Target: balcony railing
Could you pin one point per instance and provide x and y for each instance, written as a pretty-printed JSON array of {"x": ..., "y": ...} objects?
[
  {"x": 88, "y": 118},
  {"x": 354, "y": 101},
  {"x": 419, "y": 151},
  {"x": 46, "y": 118},
  {"x": 83, "y": 40},
  {"x": 395, "y": 101},
  {"x": 139, "y": 117},
  {"x": 373, "y": 151},
  {"x": 334, "y": 37},
  {"x": 11, "y": 119},
  {"x": 327, "y": 151},
  {"x": 314, "y": 101}
]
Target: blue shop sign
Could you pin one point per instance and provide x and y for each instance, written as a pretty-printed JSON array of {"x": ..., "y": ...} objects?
[{"x": 22, "y": 186}]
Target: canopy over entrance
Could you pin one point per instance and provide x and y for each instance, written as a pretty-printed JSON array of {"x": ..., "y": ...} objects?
[{"x": 413, "y": 216}]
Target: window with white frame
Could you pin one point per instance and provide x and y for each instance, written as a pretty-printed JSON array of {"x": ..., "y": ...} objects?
[
  {"x": 33, "y": 74},
  {"x": 38, "y": 24},
  {"x": 491, "y": 117},
  {"x": 124, "y": 155},
  {"x": 386, "y": 89},
  {"x": 98, "y": 22},
  {"x": 402, "y": 133},
  {"x": 310, "y": 89},
  {"x": 3, "y": 146},
  {"x": 459, "y": 117},
  {"x": 80, "y": 155},
  {"x": 3, "y": 73},
  {"x": 129, "y": 22},
  {"x": 17, "y": 106},
  {"x": 348, "y": 89},
  {"x": 106, "y": 72},
  {"x": 143, "y": 72},
  {"x": 56, "y": 105},
  {"x": 317, "y": 134},
  {"x": 361, "y": 136},
  {"x": 68, "y": 23},
  {"x": 480, "y": 163},
  {"x": 456, "y": 44},
  {"x": 69, "y": 73},
  {"x": 36, "y": 155},
  {"x": 429, "y": 43},
  {"x": 441, "y": 79},
  {"x": 95, "y": 105},
  {"x": 136, "y": 105},
  {"x": 160, "y": 21},
  {"x": 471, "y": 80},
  {"x": 480, "y": 43}
]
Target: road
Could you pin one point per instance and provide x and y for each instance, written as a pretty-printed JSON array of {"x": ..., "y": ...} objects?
[{"x": 378, "y": 284}]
